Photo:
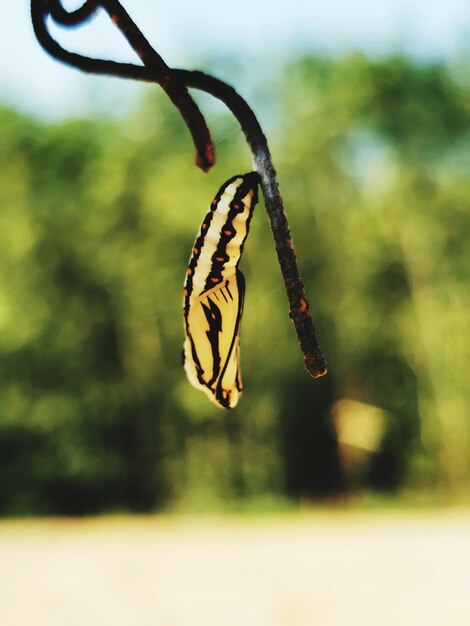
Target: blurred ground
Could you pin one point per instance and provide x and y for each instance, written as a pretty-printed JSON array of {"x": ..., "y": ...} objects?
[{"x": 330, "y": 569}]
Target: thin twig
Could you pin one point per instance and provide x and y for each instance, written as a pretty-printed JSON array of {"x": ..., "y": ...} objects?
[
  {"x": 172, "y": 80},
  {"x": 299, "y": 309},
  {"x": 161, "y": 73}
]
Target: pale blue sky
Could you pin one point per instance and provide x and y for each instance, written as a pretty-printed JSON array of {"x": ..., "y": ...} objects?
[{"x": 29, "y": 79}]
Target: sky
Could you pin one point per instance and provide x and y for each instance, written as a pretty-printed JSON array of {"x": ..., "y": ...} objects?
[{"x": 262, "y": 33}]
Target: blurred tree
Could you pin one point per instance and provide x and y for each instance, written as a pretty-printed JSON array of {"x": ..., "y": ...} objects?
[
  {"x": 98, "y": 219},
  {"x": 376, "y": 140}
]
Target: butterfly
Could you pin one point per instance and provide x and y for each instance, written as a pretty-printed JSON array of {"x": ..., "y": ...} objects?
[{"x": 214, "y": 293}]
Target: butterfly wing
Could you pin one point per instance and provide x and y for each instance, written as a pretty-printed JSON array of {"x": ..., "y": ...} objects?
[
  {"x": 212, "y": 344},
  {"x": 214, "y": 292}
]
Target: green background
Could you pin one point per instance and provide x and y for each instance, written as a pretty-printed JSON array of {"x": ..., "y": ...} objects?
[{"x": 98, "y": 218}]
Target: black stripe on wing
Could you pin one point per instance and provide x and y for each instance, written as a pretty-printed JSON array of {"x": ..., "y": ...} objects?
[
  {"x": 211, "y": 374},
  {"x": 229, "y": 230},
  {"x": 200, "y": 241},
  {"x": 223, "y": 395}
]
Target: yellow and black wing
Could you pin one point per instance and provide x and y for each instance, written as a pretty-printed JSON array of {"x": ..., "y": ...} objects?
[
  {"x": 212, "y": 345},
  {"x": 214, "y": 293}
]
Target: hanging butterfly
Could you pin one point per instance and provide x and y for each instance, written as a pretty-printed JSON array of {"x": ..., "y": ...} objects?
[{"x": 214, "y": 293}]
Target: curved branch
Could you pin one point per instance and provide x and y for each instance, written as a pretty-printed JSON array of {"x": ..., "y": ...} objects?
[
  {"x": 299, "y": 309},
  {"x": 72, "y": 18},
  {"x": 155, "y": 70},
  {"x": 161, "y": 73}
]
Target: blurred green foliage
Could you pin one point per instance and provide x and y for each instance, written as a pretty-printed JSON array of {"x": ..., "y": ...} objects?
[{"x": 97, "y": 223}]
